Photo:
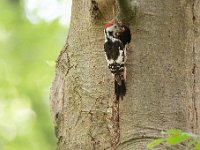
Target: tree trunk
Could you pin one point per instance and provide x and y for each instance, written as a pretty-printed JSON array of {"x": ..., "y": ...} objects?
[{"x": 162, "y": 82}]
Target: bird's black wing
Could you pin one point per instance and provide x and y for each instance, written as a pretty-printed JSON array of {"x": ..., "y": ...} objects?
[{"x": 112, "y": 49}]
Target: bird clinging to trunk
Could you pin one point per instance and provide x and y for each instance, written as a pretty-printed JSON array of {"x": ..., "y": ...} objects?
[{"x": 117, "y": 38}]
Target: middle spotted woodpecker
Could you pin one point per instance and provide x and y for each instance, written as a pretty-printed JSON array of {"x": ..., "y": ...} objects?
[{"x": 117, "y": 38}]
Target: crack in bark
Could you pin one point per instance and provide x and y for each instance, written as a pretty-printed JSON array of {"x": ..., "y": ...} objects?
[
  {"x": 113, "y": 123},
  {"x": 69, "y": 64},
  {"x": 136, "y": 138},
  {"x": 195, "y": 115},
  {"x": 64, "y": 64},
  {"x": 90, "y": 132},
  {"x": 60, "y": 55},
  {"x": 150, "y": 128}
]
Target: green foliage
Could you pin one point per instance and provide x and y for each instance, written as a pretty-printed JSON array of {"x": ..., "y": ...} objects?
[
  {"x": 197, "y": 146},
  {"x": 175, "y": 137},
  {"x": 27, "y": 54},
  {"x": 156, "y": 143},
  {"x": 173, "y": 132}
]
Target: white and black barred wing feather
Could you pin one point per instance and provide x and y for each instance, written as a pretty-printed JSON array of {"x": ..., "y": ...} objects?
[{"x": 115, "y": 55}]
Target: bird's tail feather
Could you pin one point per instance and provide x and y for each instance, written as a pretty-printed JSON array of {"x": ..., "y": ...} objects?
[{"x": 120, "y": 87}]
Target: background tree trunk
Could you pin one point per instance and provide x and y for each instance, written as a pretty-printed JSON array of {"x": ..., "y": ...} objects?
[{"x": 162, "y": 83}]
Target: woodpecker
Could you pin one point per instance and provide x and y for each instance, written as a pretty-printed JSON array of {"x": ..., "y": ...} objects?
[{"x": 117, "y": 38}]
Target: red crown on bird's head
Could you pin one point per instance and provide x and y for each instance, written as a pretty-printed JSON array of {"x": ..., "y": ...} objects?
[{"x": 108, "y": 25}]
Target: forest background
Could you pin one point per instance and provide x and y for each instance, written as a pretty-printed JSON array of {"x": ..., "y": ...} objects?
[{"x": 32, "y": 34}]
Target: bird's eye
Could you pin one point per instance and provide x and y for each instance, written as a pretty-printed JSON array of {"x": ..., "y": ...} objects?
[
  {"x": 110, "y": 33},
  {"x": 115, "y": 26}
]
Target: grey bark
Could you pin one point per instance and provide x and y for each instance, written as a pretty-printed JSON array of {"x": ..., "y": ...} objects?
[{"x": 162, "y": 83}]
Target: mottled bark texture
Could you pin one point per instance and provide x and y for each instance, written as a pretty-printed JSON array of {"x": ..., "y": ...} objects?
[{"x": 163, "y": 76}]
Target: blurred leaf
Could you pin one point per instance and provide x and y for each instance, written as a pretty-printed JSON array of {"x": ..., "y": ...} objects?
[
  {"x": 197, "y": 147},
  {"x": 155, "y": 143},
  {"x": 177, "y": 139},
  {"x": 173, "y": 132}
]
